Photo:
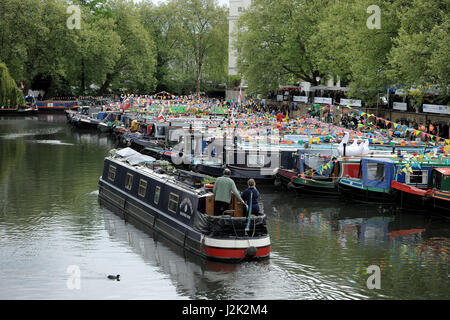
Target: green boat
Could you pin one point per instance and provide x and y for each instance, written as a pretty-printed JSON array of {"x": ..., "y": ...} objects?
[
  {"x": 440, "y": 185},
  {"x": 327, "y": 185}
]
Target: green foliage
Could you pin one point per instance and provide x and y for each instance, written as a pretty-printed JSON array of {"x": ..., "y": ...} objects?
[
  {"x": 362, "y": 52},
  {"x": 281, "y": 42},
  {"x": 121, "y": 45},
  {"x": 10, "y": 94},
  {"x": 421, "y": 54},
  {"x": 202, "y": 48},
  {"x": 272, "y": 43}
]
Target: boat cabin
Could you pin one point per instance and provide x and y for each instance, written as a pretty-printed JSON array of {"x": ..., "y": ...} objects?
[
  {"x": 440, "y": 184},
  {"x": 440, "y": 179}
]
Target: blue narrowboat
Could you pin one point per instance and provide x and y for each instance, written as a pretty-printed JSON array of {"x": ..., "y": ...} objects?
[{"x": 178, "y": 205}]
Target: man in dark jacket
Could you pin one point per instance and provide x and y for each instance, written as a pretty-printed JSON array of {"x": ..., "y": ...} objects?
[{"x": 254, "y": 193}]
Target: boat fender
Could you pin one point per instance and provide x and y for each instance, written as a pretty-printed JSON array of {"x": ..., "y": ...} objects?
[{"x": 250, "y": 252}]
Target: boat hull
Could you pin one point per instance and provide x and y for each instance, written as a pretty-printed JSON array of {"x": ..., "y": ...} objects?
[
  {"x": 55, "y": 109},
  {"x": 441, "y": 201},
  {"x": 410, "y": 197},
  {"x": 317, "y": 188},
  {"x": 354, "y": 190}
]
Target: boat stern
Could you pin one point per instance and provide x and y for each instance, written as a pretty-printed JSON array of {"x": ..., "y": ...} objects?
[{"x": 236, "y": 249}]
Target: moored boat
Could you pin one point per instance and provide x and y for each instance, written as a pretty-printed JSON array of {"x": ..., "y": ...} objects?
[
  {"x": 177, "y": 205},
  {"x": 375, "y": 182},
  {"x": 440, "y": 185},
  {"x": 56, "y": 106}
]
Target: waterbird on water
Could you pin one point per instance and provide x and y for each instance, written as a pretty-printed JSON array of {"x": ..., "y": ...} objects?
[{"x": 114, "y": 277}]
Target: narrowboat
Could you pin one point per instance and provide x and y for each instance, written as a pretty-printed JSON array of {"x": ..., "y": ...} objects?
[
  {"x": 55, "y": 106},
  {"x": 413, "y": 189},
  {"x": 178, "y": 205},
  {"x": 17, "y": 111},
  {"x": 304, "y": 160},
  {"x": 374, "y": 183}
]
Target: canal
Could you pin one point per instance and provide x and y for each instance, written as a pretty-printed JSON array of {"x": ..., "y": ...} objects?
[{"x": 56, "y": 242}]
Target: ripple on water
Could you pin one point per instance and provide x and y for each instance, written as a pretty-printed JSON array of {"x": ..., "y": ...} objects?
[{"x": 40, "y": 132}]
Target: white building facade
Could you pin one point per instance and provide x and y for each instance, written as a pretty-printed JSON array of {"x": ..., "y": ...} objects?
[{"x": 236, "y": 8}]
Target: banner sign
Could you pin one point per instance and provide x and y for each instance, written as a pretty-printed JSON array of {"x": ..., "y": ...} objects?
[
  {"x": 280, "y": 97},
  {"x": 300, "y": 99},
  {"x": 434, "y": 108},
  {"x": 403, "y": 106},
  {"x": 323, "y": 100},
  {"x": 351, "y": 102}
]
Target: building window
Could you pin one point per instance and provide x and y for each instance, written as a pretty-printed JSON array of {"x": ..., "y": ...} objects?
[
  {"x": 112, "y": 173},
  {"x": 173, "y": 202},
  {"x": 129, "y": 181},
  {"x": 142, "y": 188},
  {"x": 239, "y": 9},
  {"x": 157, "y": 193}
]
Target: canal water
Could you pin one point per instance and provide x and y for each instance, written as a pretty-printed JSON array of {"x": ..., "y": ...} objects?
[{"x": 56, "y": 242}]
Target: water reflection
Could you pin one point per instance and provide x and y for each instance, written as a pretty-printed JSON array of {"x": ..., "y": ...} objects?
[
  {"x": 344, "y": 239},
  {"x": 321, "y": 248}
]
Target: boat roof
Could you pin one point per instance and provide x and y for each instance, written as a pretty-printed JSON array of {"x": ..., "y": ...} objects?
[
  {"x": 444, "y": 171},
  {"x": 166, "y": 177}
]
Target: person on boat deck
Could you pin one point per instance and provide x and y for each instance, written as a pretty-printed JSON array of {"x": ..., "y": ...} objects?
[
  {"x": 223, "y": 188},
  {"x": 255, "y": 196}
]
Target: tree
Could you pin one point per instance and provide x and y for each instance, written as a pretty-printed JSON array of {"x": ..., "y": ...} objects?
[
  {"x": 347, "y": 48},
  {"x": 96, "y": 51},
  {"x": 135, "y": 68},
  {"x": 34, "y": 39},
  {"x": 204, "y": 41},
  {"x": 160, "y": 22},
  {"x": 272, "y": 43},
  {"x": 10, "y": 94},
  {"x": 420, "y": 57}
]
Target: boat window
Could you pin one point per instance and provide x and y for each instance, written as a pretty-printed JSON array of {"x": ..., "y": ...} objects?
[
  {"x": 112, "y": 173},
  {"x": 417, "y": 177},
  {"x": 142, "y": 188},
  {"x": 157, "y": 193},
  {"x": 173, "y": 202},
  {"x": 375, "y": 171},
  {"x": 129, "y": 181}
]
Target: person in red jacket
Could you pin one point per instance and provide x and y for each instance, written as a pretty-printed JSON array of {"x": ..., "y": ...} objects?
[{"x": 280, "y": 117}]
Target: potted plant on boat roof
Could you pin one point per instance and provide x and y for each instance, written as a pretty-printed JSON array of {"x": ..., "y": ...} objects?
[{"x": 209, "y": 183}]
